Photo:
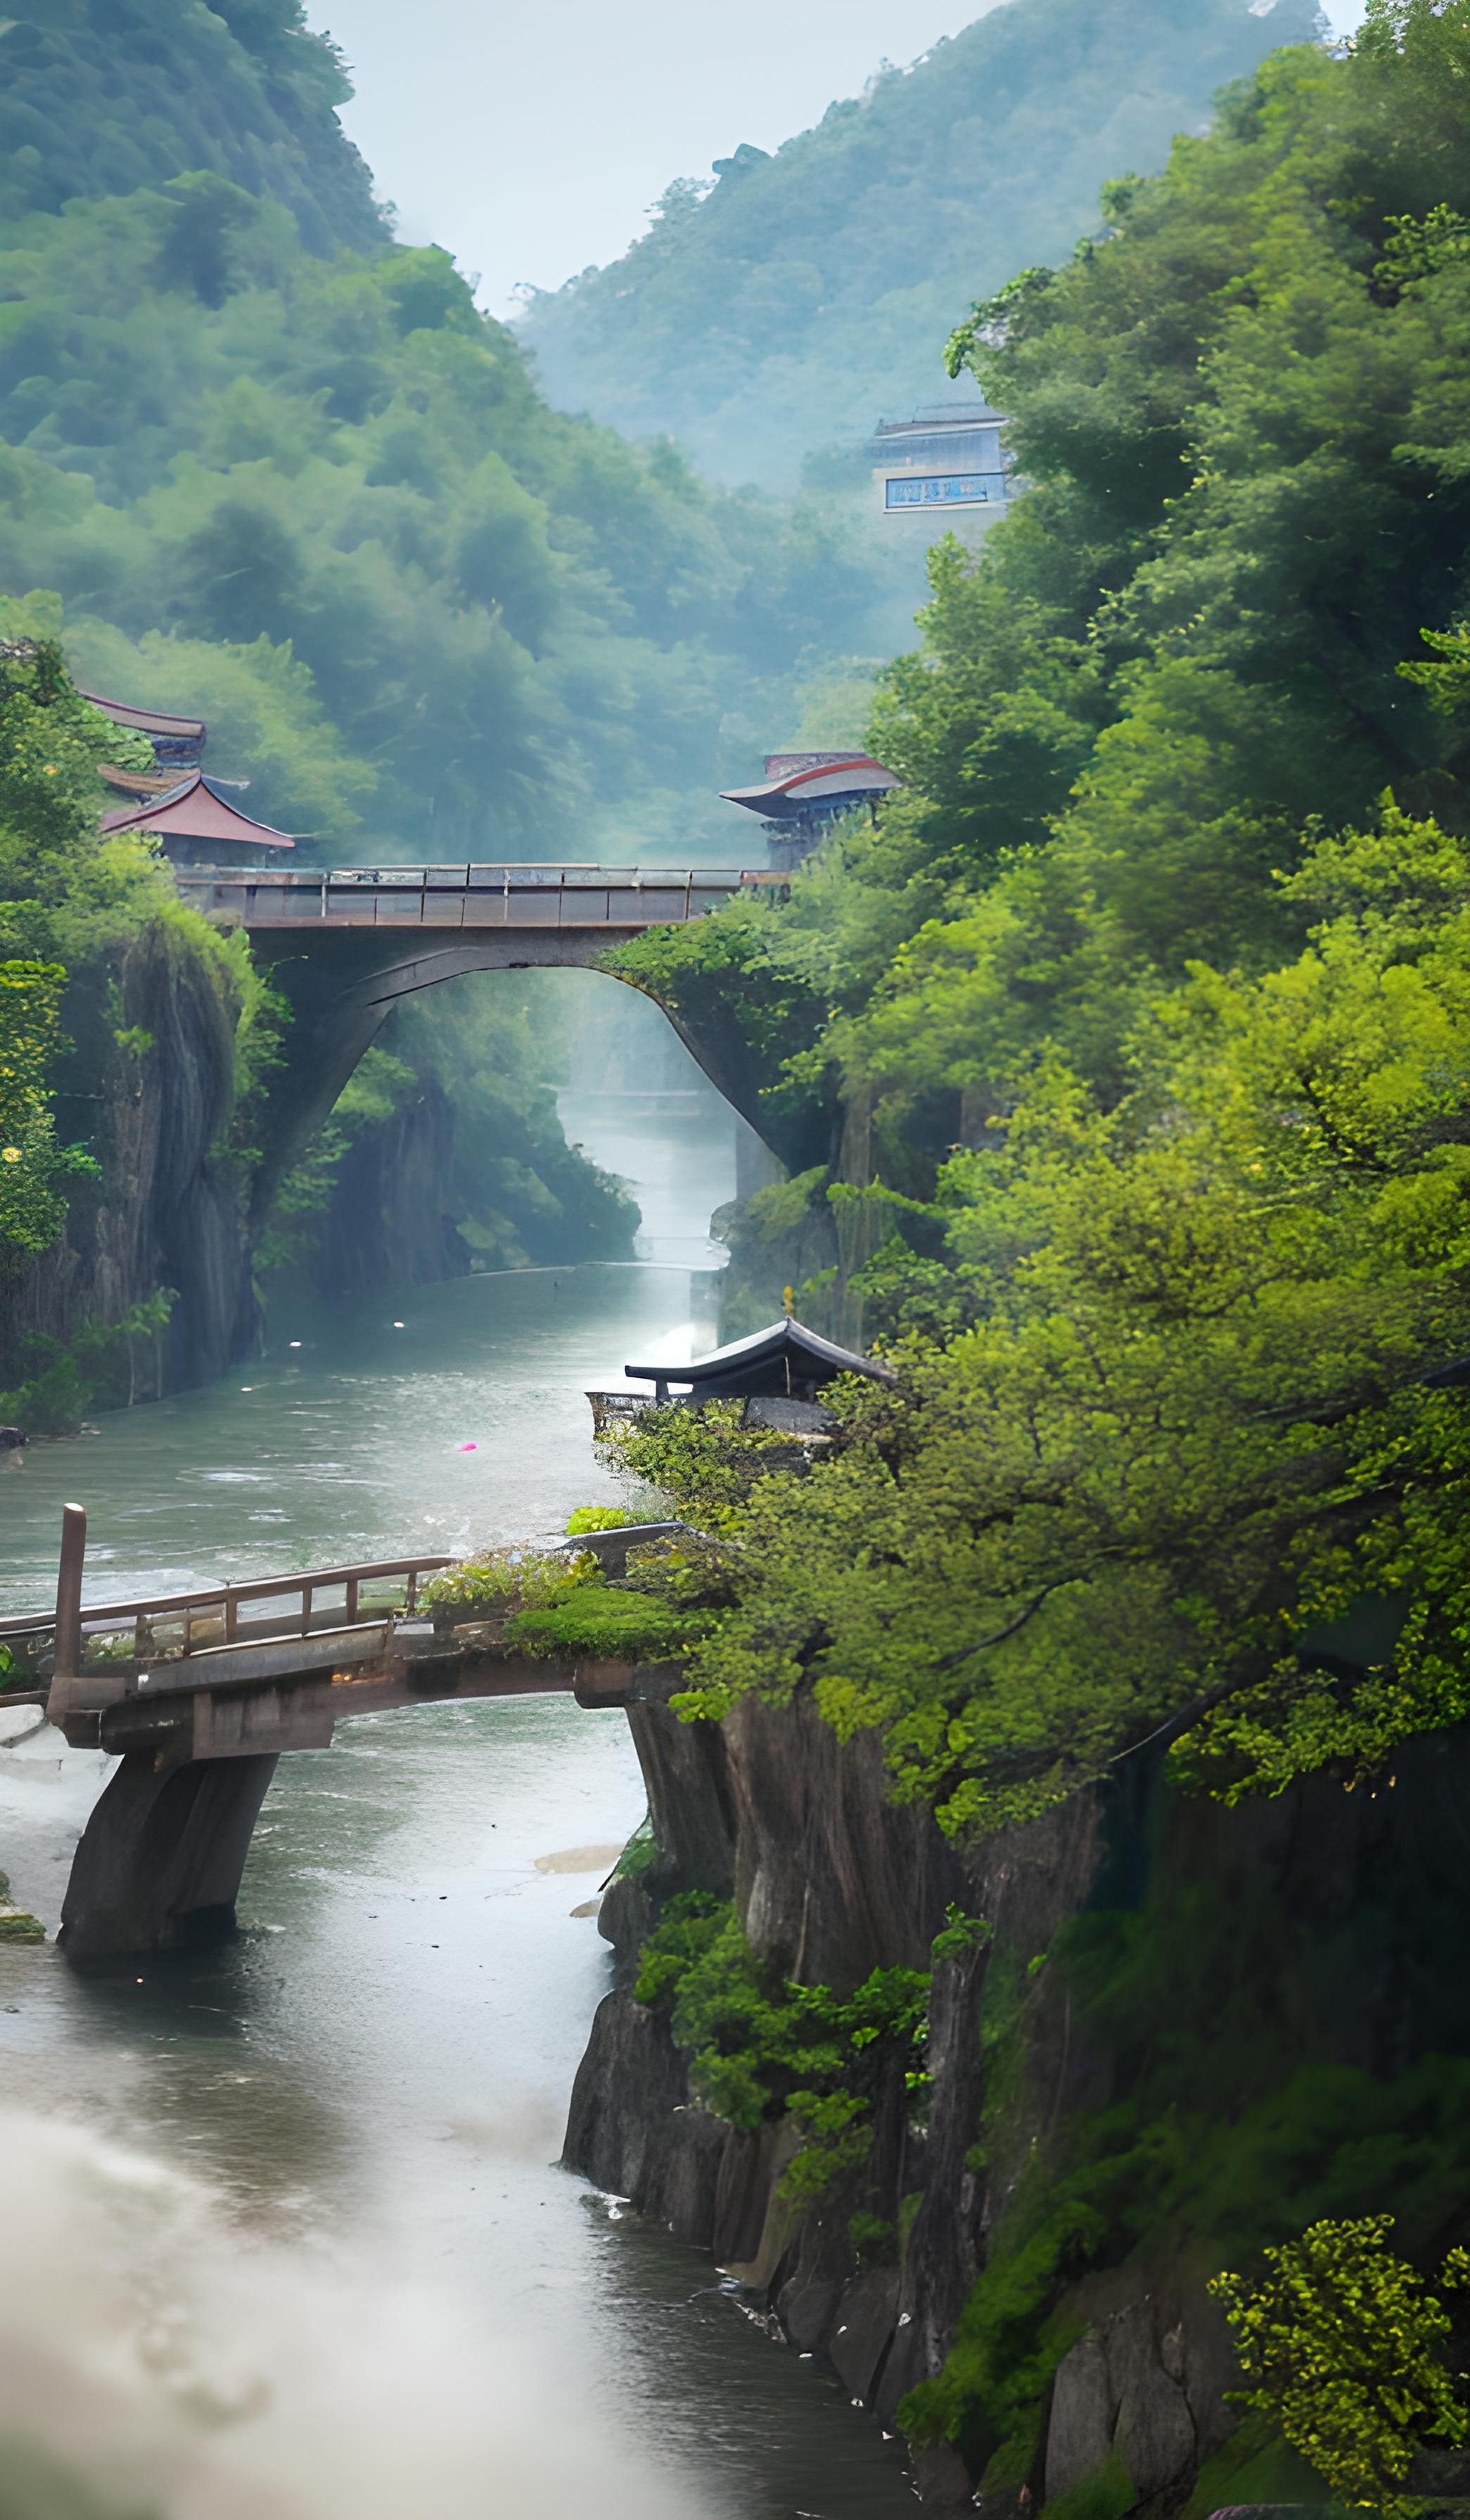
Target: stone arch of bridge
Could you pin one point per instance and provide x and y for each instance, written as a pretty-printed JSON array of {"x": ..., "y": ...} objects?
[{"x": 341, "y": 987}]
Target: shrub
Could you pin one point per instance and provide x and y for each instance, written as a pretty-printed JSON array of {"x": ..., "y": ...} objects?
[{"x": 1343, "y": 2343}]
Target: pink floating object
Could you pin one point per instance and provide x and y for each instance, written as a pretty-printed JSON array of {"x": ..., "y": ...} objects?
[{"x": 466, "y": 1447}]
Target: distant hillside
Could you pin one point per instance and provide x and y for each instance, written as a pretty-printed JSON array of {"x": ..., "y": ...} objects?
[
  {"x": 806, "y": 294},
  {"x": 99, "y": 97}
]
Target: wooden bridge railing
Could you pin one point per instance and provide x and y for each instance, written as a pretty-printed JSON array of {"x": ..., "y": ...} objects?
[{"x": 74, "y": 1623}]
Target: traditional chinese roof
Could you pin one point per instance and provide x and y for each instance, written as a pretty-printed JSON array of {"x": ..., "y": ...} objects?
[
  {"x": 787, "y": 1361},
  {"x": 853, "y": 775},
  {"x": 195, "y": 810},
  {"x": 142, "y": 721},
  {"x": 137, "y": 784}
]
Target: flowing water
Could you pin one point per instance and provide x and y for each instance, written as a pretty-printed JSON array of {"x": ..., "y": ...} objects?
[{"x": 352, "y": 2116}]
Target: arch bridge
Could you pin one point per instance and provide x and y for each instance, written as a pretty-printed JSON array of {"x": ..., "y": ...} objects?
[{"x": 343, "y": 944}]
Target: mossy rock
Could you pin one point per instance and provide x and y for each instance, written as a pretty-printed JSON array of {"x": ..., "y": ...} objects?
[
  {"x": 17, "y": 1927},
  {"x": 1106, "y": 2494}
]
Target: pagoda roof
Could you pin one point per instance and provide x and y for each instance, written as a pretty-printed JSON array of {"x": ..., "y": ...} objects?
[
  {"x": 148, "y": 721},
  {"x": 195, "y": 810},
  {"x": 855, "y": 773},
  {"x": 766, "y": 1360},
  {"x": 137, "y": 784}
]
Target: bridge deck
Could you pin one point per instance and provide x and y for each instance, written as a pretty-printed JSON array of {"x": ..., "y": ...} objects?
[
  {"x": 461, "y": 898},
  {"x": 189, "y": 1674}
]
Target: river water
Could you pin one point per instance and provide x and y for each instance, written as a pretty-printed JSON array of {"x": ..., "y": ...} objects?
[{"x": 365, "y": 2096}]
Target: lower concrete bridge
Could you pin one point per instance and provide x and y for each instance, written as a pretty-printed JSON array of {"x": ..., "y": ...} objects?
[{"x": 200, "y": 1694}]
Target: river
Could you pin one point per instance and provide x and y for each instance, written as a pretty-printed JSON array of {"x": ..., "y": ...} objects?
[{"x": 368, "y": 2090}]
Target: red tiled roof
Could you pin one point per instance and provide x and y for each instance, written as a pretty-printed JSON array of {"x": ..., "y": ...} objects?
[
  {"x": 858, "y": 775},
  {"x": 196, "y": 811}
]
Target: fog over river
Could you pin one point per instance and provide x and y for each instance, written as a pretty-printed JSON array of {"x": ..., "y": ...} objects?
[{"x": 291, "y": 2237}]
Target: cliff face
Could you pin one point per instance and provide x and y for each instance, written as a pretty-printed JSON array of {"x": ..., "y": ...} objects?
[
  {"x": 393, "y": 1216},
  {"x": 440, "y": 1179},
  {"x": 1192, "y": 2029},
  {"x": 166, "y": 1209}
]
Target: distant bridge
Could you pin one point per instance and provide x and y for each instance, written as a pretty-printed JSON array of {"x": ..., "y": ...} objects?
[
  {"x": 343, "y": 944},
  {"x": 199, "y": 1692},
  {"x": 540, "y": 903}
]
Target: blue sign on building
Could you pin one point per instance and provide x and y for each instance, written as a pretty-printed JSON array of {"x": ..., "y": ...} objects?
[{"x": 942, "y": 489}]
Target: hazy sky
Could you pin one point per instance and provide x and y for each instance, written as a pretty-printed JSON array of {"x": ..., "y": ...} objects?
[{"x": 530, "y": 136}]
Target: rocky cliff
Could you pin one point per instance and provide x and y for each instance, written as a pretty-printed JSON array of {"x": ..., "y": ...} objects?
[
  {"x": 1193, "y": 2028},
  {"x": 149, "y": 1089}
]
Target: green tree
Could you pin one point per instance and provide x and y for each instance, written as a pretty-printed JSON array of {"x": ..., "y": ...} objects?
[
  {"x": 33, "y": 1168},
  {"x": 1189, "y": 1422},
  {"x": 1345, "y": 2344}
]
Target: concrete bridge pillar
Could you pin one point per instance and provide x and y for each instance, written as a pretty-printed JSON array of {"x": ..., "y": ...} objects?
[{"x": 159, "y": 1862}]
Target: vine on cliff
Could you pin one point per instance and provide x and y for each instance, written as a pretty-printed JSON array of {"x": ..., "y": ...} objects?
[{"x": 761, "y": 2046}]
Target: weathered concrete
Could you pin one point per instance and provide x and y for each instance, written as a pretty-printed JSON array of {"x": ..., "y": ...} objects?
[{"x": 159, "y": 1861}]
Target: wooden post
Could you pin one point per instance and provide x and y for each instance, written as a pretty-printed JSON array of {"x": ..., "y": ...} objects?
[
  {"x": 66, "y": 1657},
  {"x": 69, "y": 1591}
]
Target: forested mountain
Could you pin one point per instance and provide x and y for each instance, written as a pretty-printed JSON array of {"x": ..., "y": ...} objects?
[
  {"x": 316, "y": 495},
  {"x": 808, "y": 293},
  {"x": 103, "y": 96},
  {"x": 327, "y": 501}
]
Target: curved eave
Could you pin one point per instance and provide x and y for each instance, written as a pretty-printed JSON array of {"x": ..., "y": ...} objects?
[
  {"x": 784, "y": 1338},
  {"x": 851, "y": 781}
]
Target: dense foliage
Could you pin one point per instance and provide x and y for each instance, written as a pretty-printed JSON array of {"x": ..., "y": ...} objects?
[
  {"x": 760, "y": 2048},
  {"x": 101, "y": 96},
  {"x": 1152, "y": 988},
  {"x": 550, "y": 1606},
  {"x": 762, "y": 314},
  {"x": 1346, "y": 2345}
]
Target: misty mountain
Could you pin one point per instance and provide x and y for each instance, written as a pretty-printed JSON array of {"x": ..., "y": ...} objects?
[
  {"x": 798, "y": 297},
  {"x": 100, "y": 95}
]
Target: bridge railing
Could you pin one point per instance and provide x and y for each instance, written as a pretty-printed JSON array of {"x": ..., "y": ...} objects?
[
  {"x": 210, "y": 1615},
  {"x": 459, "y": 896}
]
